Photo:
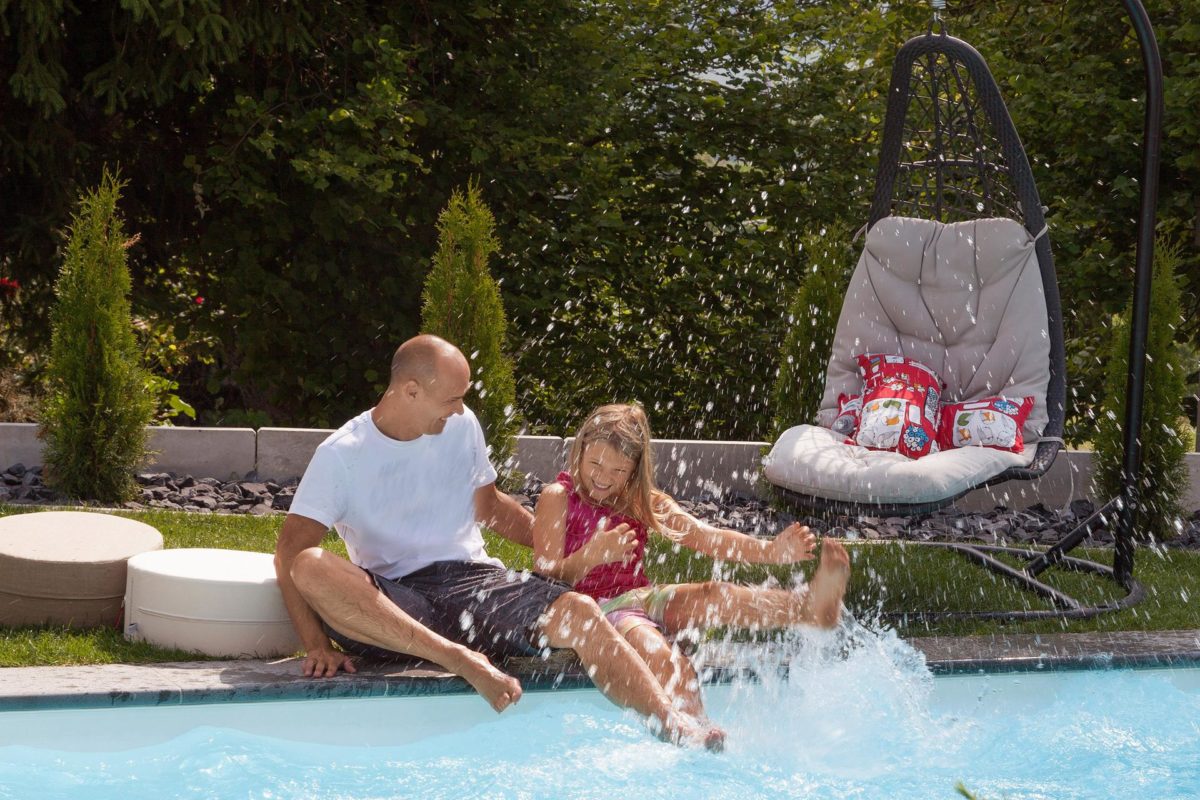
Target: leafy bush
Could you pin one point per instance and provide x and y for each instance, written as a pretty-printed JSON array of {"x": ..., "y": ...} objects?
[
  {"x": 17, "y": 403},
  {"x": 96, "y": 408},
  {"x": 461, "y": 303},
  {"x": 221, "y": 417},
  {"x": 650, "y": 191},
  {"x": 175, "y": 349},
  {"x": 1164, "y": 432},
  {"x": 812, "y": 321}
]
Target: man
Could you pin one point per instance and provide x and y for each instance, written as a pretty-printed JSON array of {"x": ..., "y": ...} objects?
[{"x": 406, "y": 485}]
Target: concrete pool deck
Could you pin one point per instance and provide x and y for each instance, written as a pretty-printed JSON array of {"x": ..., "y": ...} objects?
[{"x": 98, "y": 686}]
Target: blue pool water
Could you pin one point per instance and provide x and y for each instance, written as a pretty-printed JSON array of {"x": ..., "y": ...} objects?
[{"x": 868, "y": 724}]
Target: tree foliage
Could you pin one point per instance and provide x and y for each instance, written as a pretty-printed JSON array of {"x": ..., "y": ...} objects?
[
  {"x": 462, "y": 304},
  {"x": 812, "y": 322},
  {"x": 1164, "y": 432},
  {"x": 96, "y": 410},
  {"x": 652, "y": 164},
  {"x": 1073, "y": 80},
  {"x": 266, "y": 146}
]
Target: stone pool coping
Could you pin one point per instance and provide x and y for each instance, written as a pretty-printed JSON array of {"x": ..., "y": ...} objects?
[{"x": 193, "y": 682}]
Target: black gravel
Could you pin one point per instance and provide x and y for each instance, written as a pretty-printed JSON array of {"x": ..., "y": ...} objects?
[{"x": 1037, "y": 524}]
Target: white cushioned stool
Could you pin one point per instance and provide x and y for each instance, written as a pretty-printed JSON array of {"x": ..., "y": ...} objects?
[
  {"x": 67, "y": 567},
  {"x": 215, "y": 602}
]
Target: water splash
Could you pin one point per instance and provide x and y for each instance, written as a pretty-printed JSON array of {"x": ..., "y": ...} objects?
[{"x": 846, "y": 702}]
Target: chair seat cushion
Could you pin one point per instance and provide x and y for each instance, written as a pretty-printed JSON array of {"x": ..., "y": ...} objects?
[{"x": 816, "y": 461}]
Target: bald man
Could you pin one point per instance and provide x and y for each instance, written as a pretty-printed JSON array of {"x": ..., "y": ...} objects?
[{"x": 407, "y": 485}]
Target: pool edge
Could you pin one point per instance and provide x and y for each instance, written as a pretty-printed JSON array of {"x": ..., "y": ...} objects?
[{"x": 195, "y": 682}]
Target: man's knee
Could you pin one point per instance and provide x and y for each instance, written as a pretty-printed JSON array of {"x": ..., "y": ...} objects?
[{"x": 308, "y": 566}]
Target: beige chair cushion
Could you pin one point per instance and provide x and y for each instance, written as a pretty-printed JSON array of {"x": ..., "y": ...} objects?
[{"x": 964, "y": 298}]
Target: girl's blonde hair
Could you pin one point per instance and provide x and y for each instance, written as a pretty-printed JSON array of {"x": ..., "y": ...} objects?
[{"x": 626, "y": 429}]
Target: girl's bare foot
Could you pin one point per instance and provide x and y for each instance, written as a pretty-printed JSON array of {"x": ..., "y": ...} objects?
[
  {"x": 684, "y": 730},
  {"x": 714, "y": 739},
  {"x": 500, "y": 689},
  {"x": 824, "y": 599}
]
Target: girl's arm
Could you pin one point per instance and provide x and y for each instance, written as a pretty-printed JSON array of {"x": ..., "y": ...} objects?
[
  {"x": 550, "y": 539},
  {"x": 793, "y": 543}
]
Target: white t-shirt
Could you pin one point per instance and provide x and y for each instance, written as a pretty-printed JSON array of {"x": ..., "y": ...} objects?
[{"x": 400, "y": 506}]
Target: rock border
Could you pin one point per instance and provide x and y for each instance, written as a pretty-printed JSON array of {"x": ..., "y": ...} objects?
[{"x": 1034, "y": 525}]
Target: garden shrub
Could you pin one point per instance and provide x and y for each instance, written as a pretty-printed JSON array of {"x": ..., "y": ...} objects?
[
  {"x": 173, "y": 347},
  {"x": 811, "y": 322},
  {"x": 17, "y": 402},
  {"x": 1164, "y": 430},
  {"x": 96, "y": 408},
  {"x": 461, "y": 303},
  {"x": 650, "y": 192},
  {"x": 9, "y": 346}
]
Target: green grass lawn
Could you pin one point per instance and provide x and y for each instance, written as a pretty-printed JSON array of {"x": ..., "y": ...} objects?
[{"x": 887, "y": 578}]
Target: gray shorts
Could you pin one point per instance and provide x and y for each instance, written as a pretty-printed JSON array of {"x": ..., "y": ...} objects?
[{"x": 489, "y": 609}]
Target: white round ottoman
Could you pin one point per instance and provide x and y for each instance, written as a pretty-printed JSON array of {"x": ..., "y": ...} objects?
[
  {"x": 67, "y": 567},
  {"x": 215, "y": 602}
]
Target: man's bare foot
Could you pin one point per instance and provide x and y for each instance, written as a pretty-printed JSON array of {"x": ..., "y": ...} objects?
[
  {"x": 500, "y": 689},
  {"x": 824, "y": 599},
  {"x": 688, "y": 731}
]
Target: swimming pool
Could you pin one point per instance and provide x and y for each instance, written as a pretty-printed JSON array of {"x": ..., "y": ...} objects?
[{"x": 873, "y": 724}]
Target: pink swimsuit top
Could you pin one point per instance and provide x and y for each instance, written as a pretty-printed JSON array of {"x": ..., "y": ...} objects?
[{"x": 605, "y": 581}]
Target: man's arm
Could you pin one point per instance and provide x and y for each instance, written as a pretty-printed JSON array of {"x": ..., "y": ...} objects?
[
  {"x": 321, "y": 659},
  {"x": 504, "y": 515}
]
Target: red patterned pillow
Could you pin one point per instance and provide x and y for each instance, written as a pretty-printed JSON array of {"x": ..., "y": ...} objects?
[
  {"x": 899, "y": 406},
  {"x": 849, "y": 408},
  {"x": 894, "y": 418},
  {"x": 994, "y": 422},
  {"x": 876, "y": 368}
]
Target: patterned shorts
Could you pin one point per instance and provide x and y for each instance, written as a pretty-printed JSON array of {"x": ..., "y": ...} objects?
[{"x": 644, "y": 606}]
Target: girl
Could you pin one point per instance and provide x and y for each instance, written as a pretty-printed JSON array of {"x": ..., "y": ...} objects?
[{"x": 591, "y": 530}]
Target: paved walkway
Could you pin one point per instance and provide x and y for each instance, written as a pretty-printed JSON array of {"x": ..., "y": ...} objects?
[{"x": 249, "y": 680}]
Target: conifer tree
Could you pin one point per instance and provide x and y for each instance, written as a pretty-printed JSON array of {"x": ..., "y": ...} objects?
[
  {"x": 812, "y": 321},
  {"x": 1164, "y": 430},
  {"x": 96, "y": 409},
  {"x": 461, "y": 303}
]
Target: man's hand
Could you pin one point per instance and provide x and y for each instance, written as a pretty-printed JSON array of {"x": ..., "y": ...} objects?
[
  {"x": 325, "y": 662},
  {"x": 617, "y": 544},
  {"x": 794, "y": 543}
]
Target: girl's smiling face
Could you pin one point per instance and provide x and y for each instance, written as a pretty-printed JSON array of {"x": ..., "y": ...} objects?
[{"x": 605, "y": 471}]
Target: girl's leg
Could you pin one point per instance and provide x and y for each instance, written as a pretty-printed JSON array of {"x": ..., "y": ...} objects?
[
  {"x": 672, "y": 668},
  {"x": 718, "y": 603},
  {"x": 576, "y": 622},
  {"x": 705, "y": 605}
]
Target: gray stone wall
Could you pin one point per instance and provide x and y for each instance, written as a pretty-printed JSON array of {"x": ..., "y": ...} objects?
[{"x": 686, "y": 469}]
